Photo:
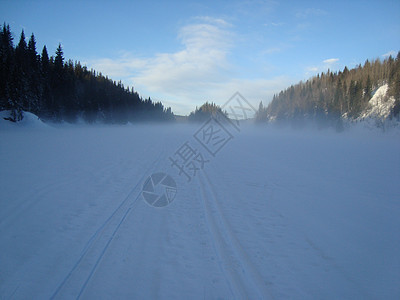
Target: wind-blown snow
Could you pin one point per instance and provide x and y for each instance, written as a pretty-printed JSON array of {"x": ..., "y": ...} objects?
[{"x": 276, "y": 214}]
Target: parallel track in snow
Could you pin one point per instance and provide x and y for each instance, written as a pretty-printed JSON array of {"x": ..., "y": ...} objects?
[
  {"x": 76, "y": 280},
  {"x": 243, "y": 277}
]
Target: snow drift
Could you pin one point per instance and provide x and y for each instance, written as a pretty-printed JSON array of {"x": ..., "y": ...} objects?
[{"x": 29, "y": 120}]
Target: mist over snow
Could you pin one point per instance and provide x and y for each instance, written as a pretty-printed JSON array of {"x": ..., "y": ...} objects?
[
  {"x": 125, "y": 172},
  {"x": 274, "y": 213}
]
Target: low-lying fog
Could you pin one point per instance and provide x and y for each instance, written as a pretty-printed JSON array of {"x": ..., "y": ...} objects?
[{"x": 255, "y": 212}]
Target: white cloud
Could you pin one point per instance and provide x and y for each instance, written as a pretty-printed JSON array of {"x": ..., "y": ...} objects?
[
  {"x": 202, "y": 60},
  {"x": 201, "y": 64},
  {"x": 211, "y": 20},
  {"x": 254, "y": 90},
  {"x": 390, "y": 53},
  {"x": 199, "y": 72},
  {"x": 123, "y": 66},
  {"x": 312, "y": 69},
  {"x": 330, "y": 61}
]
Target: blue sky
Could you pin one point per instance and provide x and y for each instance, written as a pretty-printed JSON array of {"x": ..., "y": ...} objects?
[{"x": 184, "y": 53}]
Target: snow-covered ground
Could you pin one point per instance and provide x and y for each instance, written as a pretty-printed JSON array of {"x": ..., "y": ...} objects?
[
  {"x": 274, "y": 215},
  {"x": 29, "y": 120}
]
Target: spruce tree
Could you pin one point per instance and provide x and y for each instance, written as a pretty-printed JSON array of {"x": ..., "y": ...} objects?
[
  {"x": 59, "y": 59},
  {"x": 6, "y": 63},
  {"x": 44, "y": 59},
  {"x": 32, "y": 54},
  {"x": 22, "y": 42},
  {"x": 58, "y": 84},
  {"x": 58, "y": 91},
  {"x": 46, "y": 100},
  {"x": 20, "y": 86}
]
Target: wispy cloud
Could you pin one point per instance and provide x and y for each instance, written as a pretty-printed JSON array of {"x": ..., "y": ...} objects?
[
  {"x": 200, "y": 64},
  {"x": 123, "y": 66},
  {"x": 310, "y": 12},
  {"x": 390, "y": 53},
  {"x": 211, "y": 20},
  {"x": 274, "y": 24},
  {"x": 254, "y": 90},
  {"x": 202, "y": 61},
  {"x": 312, "y": 69},
  {"x": 331, "y": 61},
  {"x": 201, "y": 71}
]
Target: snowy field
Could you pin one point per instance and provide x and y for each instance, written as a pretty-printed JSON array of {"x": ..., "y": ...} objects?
[{"x": 276, "y": 214}]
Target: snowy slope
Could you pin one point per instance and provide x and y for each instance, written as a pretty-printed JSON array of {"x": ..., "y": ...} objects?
[
  {"x": 274, "y": 215},
  {"x": 29, "y": 120},
  {"x": 380, "y": 105}
]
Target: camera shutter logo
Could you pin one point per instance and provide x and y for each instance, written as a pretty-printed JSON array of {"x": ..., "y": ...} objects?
[{"x": 159, "y": 190}]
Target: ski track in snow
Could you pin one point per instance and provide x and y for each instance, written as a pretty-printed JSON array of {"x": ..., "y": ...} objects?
[
  {"x": 275, "y": 215},
  {"x": 244, "y": 280},
  {"x": 99, "y": 242}
]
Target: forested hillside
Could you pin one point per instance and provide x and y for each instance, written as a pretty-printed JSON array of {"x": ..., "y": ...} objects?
[
  {"x": 59, "y": 90},
  {"x": 205, "y": 111},
  {"x": 334, "y": 96}
]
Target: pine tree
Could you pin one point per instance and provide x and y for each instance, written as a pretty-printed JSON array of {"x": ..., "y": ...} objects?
[
  {"x": 260, "y": 113},
  {"x": 368, "y": 89},
  {"x": 44, "y": 59},
  {"x": 20, "y": 85},
  {"x": 22, "y": 42},
  {"x": 335, "y": 95},
  {"x": 6, "y": 64},
  {"x": 58, "y": 91},
  {"x": 58, "y": 86},
  {"x": 59, "y": 59},
  {"x": 394, "y": 85},
  {"x": 21, "y": 54},
  {"x": 32, "y": 54}
]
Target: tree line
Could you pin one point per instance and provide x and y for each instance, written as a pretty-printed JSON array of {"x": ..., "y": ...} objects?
[
  {"x": 332, "y": 96},
  {"x": 58, "y": 90},
  {"x": 205, "y": 111}
]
